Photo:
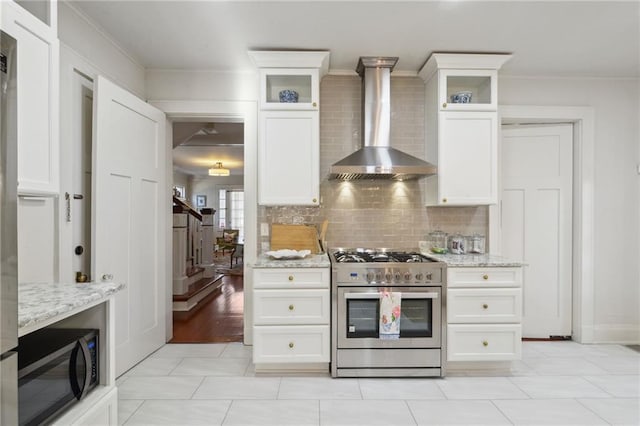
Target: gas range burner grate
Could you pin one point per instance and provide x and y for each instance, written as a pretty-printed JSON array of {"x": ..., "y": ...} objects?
[{"x": 372, "y": 256}]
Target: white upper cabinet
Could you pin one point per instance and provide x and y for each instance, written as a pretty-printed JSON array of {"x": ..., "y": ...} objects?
[
  {"x": 462, "y": 128},
  {"x": 38, "y": 85},
  {"x": 289, "y": 126},
  {"x": 288, "y": 158}
]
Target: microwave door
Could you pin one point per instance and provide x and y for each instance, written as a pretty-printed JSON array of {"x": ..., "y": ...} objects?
[{"x": 80, "y": 369}]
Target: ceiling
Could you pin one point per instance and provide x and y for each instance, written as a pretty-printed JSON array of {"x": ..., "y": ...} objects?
[
  {"x": 197, "y": 146},
  {"x": 546, "y": 38}
]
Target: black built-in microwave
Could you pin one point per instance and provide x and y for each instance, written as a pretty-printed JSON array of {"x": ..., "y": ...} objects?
[{"x": 57, "y": 367}]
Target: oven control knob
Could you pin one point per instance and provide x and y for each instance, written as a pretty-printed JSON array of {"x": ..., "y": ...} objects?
[
  {"x": 419, "y": 276},
  {"x": 378, "y": 276},
  {"x": 388, "y": 277},
  {"x": 369, "y": 276},
  {"x": 407, "y": 276},
  {"x": 397, "y": 276}
]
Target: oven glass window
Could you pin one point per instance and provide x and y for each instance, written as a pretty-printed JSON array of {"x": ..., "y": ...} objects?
[
  {"x": 416, "y": 318},
  {"x": 362, "y": 318}
]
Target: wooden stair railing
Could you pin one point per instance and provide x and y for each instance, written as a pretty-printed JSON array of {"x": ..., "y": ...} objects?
[{"x": 186, "y": 208}]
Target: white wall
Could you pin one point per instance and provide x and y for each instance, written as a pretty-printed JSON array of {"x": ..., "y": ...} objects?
[
  {"x": 99, "y": 50},
  {"x": 201, "y": 85},
  {"x": 616, "y": 191},
  {"x": 183, "y": 179}
]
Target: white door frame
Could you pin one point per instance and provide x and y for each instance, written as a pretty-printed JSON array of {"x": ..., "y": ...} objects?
[
  {"x": 247, "y": 112},
  {"x": 582, "y": 119}
]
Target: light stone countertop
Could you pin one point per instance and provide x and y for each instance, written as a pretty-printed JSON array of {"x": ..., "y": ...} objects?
[
  {"x": 311, "y": 261},
  {"x": 43, "y": 303},
  {"x": 474, "y": 260}
]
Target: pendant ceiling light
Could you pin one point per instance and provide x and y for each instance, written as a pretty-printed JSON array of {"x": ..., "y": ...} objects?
[{"x": 218, "y": 170}]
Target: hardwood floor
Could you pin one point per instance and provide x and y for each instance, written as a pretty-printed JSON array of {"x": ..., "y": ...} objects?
[{"x": 219, "y": 319}]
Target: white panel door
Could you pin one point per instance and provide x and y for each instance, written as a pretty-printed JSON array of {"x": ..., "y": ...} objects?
[
  {"x": 128, "y": 219},
  {"x": 536, "y": 222}
]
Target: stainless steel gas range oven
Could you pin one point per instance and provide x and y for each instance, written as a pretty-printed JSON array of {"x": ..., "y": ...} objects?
[{"x": 358, "y": 279}]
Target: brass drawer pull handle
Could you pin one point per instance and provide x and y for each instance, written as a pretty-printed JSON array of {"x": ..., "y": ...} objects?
[
  {"x": 290, "y": 345},
  {"x": 314, "y": 104},
  {"x": 444, "y": 105},
  {"x": 290, "y": 277},
  {"x": 485, "y": 277},
  {"x": 485, "y": 343},
  {"x": 485, "y": 306},
  {"x": 291, "y": 307}
]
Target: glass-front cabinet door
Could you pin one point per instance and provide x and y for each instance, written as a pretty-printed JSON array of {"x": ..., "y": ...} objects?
[
  {"x": 289, "y": 89},
  {"x": 468, "y": 90}
]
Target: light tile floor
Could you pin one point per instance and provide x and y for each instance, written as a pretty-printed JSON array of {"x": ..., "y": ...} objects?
[{"x": 555, "y": 383}]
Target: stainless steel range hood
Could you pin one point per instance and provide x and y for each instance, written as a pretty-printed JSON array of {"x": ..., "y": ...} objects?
[{"x": 376, "y": 159}]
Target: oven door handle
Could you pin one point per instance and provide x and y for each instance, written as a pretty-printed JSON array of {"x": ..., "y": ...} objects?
[{"x": 413, "y": 295}]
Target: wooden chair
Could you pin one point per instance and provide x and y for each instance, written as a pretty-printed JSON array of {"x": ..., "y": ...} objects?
[
  {"x": 228, "y": 240},
  {"x": 237, "y": 253}
]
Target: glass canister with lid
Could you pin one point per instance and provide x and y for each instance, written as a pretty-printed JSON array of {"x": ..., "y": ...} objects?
[
  {"x": 475, "y": 244},
  {"x": 437, "y": 241},
  {"x": 456, "y": 243}
]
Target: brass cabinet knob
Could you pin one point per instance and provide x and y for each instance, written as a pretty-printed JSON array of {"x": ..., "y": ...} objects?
[
  {"x": 315, "y": 200},
  {"x": 485, "y": 277},
  {"x": 291, "y": 307},
  {"x": 444, "y": 105},
  {"x": 485, "y": 343},
  {"x": 290, "y": 345},
  {"x": 444, "y": 200},
  {"x": 485, "y": 306},
  {"x": 290, "y": 277},
  {"x": 314, "y": 104}
]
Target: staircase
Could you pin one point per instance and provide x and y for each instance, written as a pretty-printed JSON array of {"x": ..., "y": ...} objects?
[{"x": 194, "y": 276}]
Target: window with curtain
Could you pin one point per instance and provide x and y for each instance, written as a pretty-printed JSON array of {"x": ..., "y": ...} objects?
[{"x": 231, "y": 210}]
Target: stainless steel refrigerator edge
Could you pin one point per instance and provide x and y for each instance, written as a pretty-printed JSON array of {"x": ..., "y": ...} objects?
[{"x": 8, "y": 232}]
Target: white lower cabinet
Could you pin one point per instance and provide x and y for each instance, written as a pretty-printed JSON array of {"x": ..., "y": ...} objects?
[
  {"x": 291, "y": 317},
  {"x": 284, "y": 344},
  {"x": 484, "y": 342},
  {"x": 484, "y": 314}
]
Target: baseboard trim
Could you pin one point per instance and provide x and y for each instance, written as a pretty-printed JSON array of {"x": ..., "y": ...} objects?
[{"x": 623, "y": 334}]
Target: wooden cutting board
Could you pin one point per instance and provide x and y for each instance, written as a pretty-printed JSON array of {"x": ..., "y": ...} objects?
[{"x": 294, "y": 237}]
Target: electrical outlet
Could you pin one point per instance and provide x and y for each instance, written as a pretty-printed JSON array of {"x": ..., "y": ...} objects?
[{"x": 264, "y": 229}]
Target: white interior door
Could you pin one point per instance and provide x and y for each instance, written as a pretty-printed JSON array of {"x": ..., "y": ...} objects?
[
  {"x": 536, "y": 222},
  {"x": 81, "y": 175},
  {"x": 129, "y": 212}
]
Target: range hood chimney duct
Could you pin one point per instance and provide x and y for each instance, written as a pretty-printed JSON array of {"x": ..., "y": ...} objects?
[{"x": 376, "y": 159}]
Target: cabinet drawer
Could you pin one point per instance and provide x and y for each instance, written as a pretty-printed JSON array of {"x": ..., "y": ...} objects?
[
  {"x": 484, "y": 342},
  {"x": 301, "y": 343},
  {"x": 291, "y": 307},
  {"x": 291, "y": 278},
  {"x": 484, "y": 305},
  {"x": 484, "y": 277}
]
